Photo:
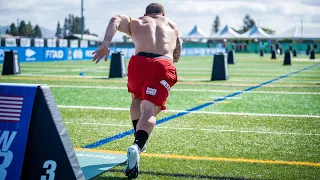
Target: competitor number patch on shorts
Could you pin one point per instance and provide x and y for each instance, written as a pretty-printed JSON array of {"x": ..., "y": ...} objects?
[
  {"x": 165, "y": 84},
  {"x": 151, "y": 91}
]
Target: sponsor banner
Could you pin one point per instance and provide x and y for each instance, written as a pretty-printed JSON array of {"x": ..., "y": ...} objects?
[
  {"x": 30, "y": 54},
  {"x": 84, "y": 53},
  {"x": 201, "y": 51},
  {"x": 84, "y": 43},
  {"x": 16, "y": 103},
  {"x": 25, "y": 42},
  {"x": 74, "y": 44},
  {"x": 77, "y": 53},
  {"x": 38, "y": 42},
  {"x": 54, "y": 54},
  {"x": 88, "y": 53},
  {"x": 92, "y": 43},
  {"x": 51, "y": 43},
  {"x": 128, "y": 52},
  {"x": 11, "y": 42},
  {"x": 63, "y": 43},
  {"x": 4, "y": 49},
  {"x": 184, "y": 52}
]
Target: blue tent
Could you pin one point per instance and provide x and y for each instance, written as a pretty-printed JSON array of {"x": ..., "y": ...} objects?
[
  {"x": 196, "y": 33},
  {"x": 225, "y": 33},
  {"x": 255, "y": 32}
]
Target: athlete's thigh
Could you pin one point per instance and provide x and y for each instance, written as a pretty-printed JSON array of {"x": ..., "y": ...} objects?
[{"x": 155, "y": 92}]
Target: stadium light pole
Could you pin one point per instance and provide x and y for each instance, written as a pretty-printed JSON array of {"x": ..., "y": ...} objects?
[{"x": 82, "y": 20}]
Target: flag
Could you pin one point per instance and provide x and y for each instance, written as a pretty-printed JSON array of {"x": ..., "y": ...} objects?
[{"x": 10, "y": 108}]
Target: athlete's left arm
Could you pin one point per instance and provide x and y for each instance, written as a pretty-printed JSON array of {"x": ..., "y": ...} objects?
[
  {"x": 117, "y": 23},
  {"x": 177, "y": 50}
]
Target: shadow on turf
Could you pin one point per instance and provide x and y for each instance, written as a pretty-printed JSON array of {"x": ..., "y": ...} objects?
[{"x": 176, "y": 175}]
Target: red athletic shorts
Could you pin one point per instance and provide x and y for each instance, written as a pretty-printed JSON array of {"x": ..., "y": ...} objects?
[{"x": 151, "y": 78}]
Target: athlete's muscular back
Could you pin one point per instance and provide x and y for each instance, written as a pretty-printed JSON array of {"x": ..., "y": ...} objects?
[{"x": 154, "y": 34}]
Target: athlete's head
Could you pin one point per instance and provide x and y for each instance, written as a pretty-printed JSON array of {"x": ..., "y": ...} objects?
[{"x": 155, "y": 9}]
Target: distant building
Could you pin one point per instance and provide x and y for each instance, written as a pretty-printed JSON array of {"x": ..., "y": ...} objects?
[{"x": 92, "y": 40}]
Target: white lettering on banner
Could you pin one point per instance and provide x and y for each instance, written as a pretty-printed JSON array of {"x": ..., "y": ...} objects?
[
  {"x": 54, "y": 54},
  {"x": 51, "y": 43},
  {"x": 63, "y": 43},
  {"x": 25, "y": 42},
  {"x": 84, "y": 43},
  {"x": 5, "y": 153},
  {"x": 165, "y": 84},
  {"x": 29, "y": 54},
  {"x": 151, "y": 91},
  {"x": 10, "y": 42},
  {"x": 74, "y": 43},
  {"x": 38, "y": 42},
  {"x": 77, "y": 54},
  {"x": 88, "y": 53}
]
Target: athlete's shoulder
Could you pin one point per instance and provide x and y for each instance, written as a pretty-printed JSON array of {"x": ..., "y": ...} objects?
[{"x": 172, "y": 24}]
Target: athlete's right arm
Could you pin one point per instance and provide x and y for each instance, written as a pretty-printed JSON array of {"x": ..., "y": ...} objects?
[
  {"x": 120, "y": 23},
  {"x": 117, "y": 23}
]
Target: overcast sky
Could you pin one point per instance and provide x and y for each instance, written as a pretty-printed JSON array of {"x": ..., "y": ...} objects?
[{"x": 279, "y": 15}]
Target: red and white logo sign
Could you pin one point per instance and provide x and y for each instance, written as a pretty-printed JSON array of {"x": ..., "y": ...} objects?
[
  {"x": 151, "y": 91},
  {"x": 10, "y": 108},
  {"x": 165, "y": 84}
]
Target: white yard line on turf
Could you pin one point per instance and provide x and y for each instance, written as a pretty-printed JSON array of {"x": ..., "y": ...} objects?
[
  {"x": 234, "y": 73},
  {"x": 239, "y": 131},
  {"x": 198, "y": 129},
  {"x": 63, "y": 70},
  {"x": 64, "y": 76},
  {"x": 181, "y": 90},
  {"x": 195, "y": 112},
  {"x": 265, "y": 70}
]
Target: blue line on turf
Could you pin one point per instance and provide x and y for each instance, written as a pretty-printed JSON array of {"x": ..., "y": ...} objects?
[{"x": 129, "y": 132}]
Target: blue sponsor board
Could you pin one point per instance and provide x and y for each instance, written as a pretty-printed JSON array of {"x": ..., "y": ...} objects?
[
  {"x": 55, "y": 54},
  {"x": 16, "y": 103},
  {"x": 81, "y": 53},
  {"x": 128, "y": 52},
  {"x": 30, "y": 54},
  {"x": 4, "y": 49},
  {"x": 85, "y": 53},
  {"x": 38, "y": 54},
  {"x": 201, "y": 51}
]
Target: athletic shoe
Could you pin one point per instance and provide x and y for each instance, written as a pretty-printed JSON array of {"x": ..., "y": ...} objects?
[
  {"x": 133, "y": 156},
  {"x": 144, "y": 148}
]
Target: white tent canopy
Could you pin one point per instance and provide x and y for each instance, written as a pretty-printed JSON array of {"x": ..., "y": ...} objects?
[
  {"x": 225, "y": 33},
  {"x": 255, "y": 32},
  {"x": 298, "y": 33}
]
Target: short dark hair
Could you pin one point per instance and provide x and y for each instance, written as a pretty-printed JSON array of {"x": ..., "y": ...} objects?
[{"x": 155, "y": 8}]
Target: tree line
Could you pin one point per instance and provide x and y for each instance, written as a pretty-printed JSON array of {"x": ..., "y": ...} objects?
[
  {"x": 248, "y": 23},
  {"x": 25, "y": 30},
  {"x": 72, "y": 25}
]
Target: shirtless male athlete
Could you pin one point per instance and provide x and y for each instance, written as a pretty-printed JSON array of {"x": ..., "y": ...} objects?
[{"x": 151, "y": 72}]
